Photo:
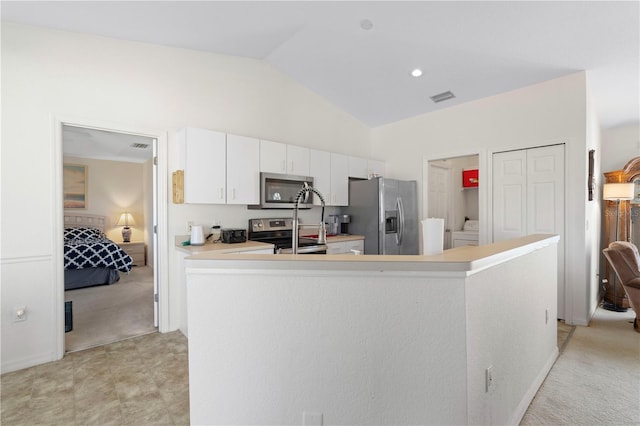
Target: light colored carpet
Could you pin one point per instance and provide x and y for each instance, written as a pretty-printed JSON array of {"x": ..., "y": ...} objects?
[
  {"x": 110, "y": 313},
  {"x": 596, "y": 380}
]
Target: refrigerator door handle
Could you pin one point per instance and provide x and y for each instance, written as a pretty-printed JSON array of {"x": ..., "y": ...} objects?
[{"x": 400, "y": 233}]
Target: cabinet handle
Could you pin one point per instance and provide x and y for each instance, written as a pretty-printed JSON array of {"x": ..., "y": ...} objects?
[
  {"x": 284, "y": 166},
  {"x": 291, "y": 166},
  {"x": 233, "y": 194},
  {"x": 221, "y": 193}
]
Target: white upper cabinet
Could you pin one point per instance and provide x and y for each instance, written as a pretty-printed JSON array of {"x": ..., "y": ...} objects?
[
  {"x": 320, "y": 171},
  {"x": 243, "y": 170},
  {"x": 273, "y": 157},
  {"x": 276, "y": 157},
  {"x": 202, "y": 156},
  {"x": 339, "y": 180},
  {"x": 376, "y": 167},
  {"x": 358, "y": 167},
  {"x": 297, "y": 160}
]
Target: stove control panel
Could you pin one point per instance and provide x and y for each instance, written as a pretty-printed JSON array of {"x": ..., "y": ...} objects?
[{"x": 270, "y": 224}]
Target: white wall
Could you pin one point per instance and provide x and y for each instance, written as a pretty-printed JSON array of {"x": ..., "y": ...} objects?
[
  {"x": 619, "y": 145},
  {"x": 551, "y": 112},
  {"x": 593, "y": 218},
  {"x": 49, "y": 74}
]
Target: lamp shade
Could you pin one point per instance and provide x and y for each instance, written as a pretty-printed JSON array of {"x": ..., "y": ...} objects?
[
  {"x": 618, "y": 191},
  {"x": 126, "y": 219}
]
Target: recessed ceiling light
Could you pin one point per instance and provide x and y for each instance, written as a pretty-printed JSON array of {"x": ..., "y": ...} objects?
[
  {"x": 416, "y": 72},
  {"x": 366, "y": 24}
]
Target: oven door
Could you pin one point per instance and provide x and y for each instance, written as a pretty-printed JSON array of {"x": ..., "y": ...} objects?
[{"x": 279, "y": 191}]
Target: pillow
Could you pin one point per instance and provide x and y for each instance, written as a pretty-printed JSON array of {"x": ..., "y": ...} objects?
[{"x": 81, "y": 233}]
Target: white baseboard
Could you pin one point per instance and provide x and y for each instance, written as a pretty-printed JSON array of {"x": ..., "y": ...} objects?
[{"x": 531, "y": 393}]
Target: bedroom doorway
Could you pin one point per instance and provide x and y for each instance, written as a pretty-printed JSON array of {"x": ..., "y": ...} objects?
[{"x": 120, "y": 179}]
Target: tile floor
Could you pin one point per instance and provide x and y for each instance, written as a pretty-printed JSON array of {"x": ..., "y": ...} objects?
[{"x": 140, "y": 381}]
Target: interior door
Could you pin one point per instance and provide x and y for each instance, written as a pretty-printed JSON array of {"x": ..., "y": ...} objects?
[
  {"x": 439, "y": 179},
  {"x": 509, "y": 195},
  {"x": 528, "y": 198}
]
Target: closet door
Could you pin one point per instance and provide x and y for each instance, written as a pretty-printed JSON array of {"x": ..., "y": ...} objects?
[
  {"x": 545, "y": 190},
  {"x": 528, "y": 198},
  {"x": 509, "y": 195}
]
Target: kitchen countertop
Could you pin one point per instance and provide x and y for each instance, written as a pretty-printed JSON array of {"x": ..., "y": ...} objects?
[
  {"x": 222, "y": 248},
  {"x": 341, "y": 238},
  {"x": 461, "y": 259}
]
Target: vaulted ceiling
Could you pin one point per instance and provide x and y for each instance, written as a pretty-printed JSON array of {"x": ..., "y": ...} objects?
[{"x": 359, "y": 55}]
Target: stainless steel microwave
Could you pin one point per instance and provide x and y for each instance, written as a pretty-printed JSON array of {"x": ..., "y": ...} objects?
[{"x": 279, "y": 191}]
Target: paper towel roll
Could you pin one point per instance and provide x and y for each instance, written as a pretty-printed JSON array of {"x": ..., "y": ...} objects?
[{"x": 432, "y": 235}]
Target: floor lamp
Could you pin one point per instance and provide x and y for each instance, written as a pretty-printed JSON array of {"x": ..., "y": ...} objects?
[{"x": 616, "y": 192}]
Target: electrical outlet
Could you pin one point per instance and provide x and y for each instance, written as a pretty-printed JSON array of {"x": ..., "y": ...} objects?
[
  {"x": 20, "y": 314},
  {"x": 488, "y": 378},
  {"x": 189, "y": 225}
]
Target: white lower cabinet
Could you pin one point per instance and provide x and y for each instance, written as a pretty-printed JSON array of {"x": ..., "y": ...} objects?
[
  {"x": 345, "y": 247},
  {"x": 464, "y": 238}
]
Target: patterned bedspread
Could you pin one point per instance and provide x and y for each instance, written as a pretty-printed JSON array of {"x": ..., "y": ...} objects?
[{"x": 90, "y": 248}]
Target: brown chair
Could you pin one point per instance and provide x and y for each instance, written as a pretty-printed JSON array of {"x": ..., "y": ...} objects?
[{"x": 625, "y": 261}]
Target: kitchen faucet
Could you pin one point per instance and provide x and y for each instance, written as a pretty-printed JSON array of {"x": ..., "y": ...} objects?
[{"x": 322, "y": 232}]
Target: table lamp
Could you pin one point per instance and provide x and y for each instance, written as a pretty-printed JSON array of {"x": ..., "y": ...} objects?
[{"x": 125, "y": 220}]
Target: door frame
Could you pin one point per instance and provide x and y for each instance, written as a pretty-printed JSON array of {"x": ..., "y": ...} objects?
[
  {"x": 483, "y": 194},
  {"x": 161, "y": 269}
]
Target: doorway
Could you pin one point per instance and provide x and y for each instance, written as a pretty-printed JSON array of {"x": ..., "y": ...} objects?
[
  {"x": 105, "y": 151},
  {"x": 450, "y": 199}
]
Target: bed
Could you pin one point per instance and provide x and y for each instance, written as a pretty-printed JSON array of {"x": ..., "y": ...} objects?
[{"x": 90, "y": 258}]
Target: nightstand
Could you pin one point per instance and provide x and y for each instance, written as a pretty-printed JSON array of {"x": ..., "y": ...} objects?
[{"x": 135, "y": 249}]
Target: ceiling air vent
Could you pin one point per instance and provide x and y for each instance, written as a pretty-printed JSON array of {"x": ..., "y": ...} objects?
[
  {"x": 442, "y": 96},
  {"x": 140, "y": 145}
]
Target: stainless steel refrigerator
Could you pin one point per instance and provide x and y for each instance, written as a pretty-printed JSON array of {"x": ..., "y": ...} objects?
[{"x": 385, "y": 211}]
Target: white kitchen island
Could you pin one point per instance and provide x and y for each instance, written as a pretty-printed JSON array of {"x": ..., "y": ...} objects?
[{"x": 464, "y": 337}]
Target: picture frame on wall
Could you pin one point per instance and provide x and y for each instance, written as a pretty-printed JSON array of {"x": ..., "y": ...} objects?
[
  {"x": 591, "y": 181},
  {"x": 74, "y": 178}
]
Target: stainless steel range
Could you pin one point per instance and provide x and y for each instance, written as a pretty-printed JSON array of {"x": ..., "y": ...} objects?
[{"x": 279, "y": 232}]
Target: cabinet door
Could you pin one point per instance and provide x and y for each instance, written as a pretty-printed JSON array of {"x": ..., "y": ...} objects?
[
  {"x": 376, "y": 167},
  {"x": 297, "y": 160},
  {"x": 345, "y": 247},
  {"x": 358, "y": 167},
  {"x": 320, "y": 171},
  {"x": 203, "y": 154},
  {"x": 243, "y": 170},
  {"x": 339, "y": 180},
  {"x": 273, "y": 157}
]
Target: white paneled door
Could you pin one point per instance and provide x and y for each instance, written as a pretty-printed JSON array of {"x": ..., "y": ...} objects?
[{"x": 528, "y": 198}]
